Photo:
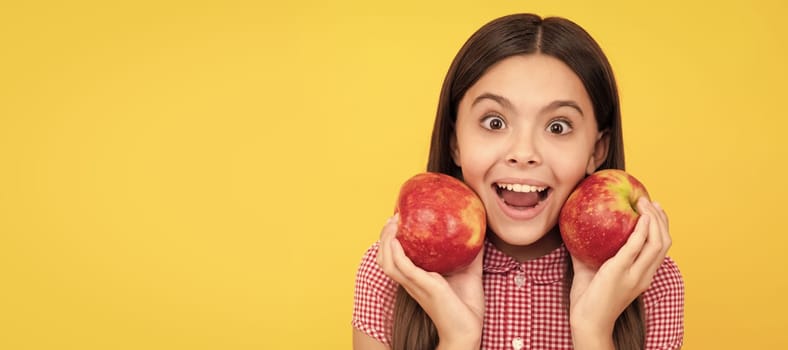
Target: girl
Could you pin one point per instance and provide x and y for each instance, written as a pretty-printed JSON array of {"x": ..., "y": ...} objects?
[{"x": 533, "y": 102}]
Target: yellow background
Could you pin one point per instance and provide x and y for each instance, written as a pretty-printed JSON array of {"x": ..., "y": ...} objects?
[{"x": 207, "y": 175}]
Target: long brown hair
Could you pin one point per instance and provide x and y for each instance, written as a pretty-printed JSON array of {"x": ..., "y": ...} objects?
[{"x": 521, "y": 34}]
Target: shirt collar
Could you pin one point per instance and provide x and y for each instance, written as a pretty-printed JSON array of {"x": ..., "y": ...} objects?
[{"x": 547, "y": 269}]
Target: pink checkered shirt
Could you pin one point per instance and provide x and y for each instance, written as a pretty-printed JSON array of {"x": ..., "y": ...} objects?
[{"x": 523, "y": 302}]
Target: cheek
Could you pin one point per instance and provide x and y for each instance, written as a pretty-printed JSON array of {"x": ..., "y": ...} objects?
[
  {"x": 476, "y": 162},
  {"x": 475, "y": 152},
  {"x": 569, "y": 177},
  {"x": 568, "y": 167},
  {"x": 474, "y": 165}
]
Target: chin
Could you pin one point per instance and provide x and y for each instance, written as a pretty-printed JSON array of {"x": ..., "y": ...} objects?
[{"x": 520, "y": 234}]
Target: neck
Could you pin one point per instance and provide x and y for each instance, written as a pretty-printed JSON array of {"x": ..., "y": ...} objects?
[{"x": 549, "y": 242}]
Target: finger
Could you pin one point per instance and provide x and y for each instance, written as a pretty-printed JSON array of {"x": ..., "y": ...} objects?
[
  {"x": 414, "y": 279},
  {"x": 664, "y": 226},
  {"x": 644, "y": 269},
  {"x": 664, "y": 238},
  {"x": 658, "y": 222},
  {"x": 652, "y": 254},
  {"x": 655, "y": 228},
  {"x": 390, "y": 228},
  {"x": 582, "y": 271},
  {"x": 631, "y": 249},
  {"x": 475, "y": 266},
  {"x": 477, "y": 262},
  {"x": 385, "y": 237},
  {"x": 662, "y": 214},
  {"x": 385, "y": 256},
  {"x": 406, "y": 266},
  {"x": 393, "y": 260},
  {"x": 583, "y": 274}
]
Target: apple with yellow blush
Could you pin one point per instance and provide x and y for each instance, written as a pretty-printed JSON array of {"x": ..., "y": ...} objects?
[
  {"x": 442, "y": 222},
  {"x": 600, "y": 215}
]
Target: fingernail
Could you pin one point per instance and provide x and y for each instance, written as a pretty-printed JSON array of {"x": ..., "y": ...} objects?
[{"x": 656, "y": 205}]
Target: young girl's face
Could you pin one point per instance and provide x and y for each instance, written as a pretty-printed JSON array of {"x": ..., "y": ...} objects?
[{"x": 526, "y": 134}]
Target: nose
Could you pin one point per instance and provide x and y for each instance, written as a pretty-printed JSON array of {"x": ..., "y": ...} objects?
[{"x": 523, "y": 151}]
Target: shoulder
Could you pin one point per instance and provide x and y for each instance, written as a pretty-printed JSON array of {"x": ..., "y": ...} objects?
[
  {"x": 373, "y": 300},
  {"x": 664, "y": 306},
  {"x": 667, "y": 283}
]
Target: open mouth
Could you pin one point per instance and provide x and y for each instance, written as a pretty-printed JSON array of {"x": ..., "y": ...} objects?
[{"x": 520, "y": 196}]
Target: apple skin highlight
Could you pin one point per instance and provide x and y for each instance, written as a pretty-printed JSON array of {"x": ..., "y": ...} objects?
[
  {"x": 442, "y": 222},
  {"x": 600, "y": 215}
]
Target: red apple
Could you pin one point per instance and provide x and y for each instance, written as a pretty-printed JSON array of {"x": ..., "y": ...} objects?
[
  {"x": 442, "y": 222},
  {"x": 600, "y": 214}
]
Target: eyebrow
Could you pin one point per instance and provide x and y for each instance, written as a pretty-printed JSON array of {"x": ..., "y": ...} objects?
[
  {"x": 563, "y": 103},
  {"x": 503, "y": 101}
]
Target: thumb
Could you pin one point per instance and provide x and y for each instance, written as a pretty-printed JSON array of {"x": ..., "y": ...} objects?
[
  {"x": 476, "y": 264},
  {"x": 584, "y": 273}
]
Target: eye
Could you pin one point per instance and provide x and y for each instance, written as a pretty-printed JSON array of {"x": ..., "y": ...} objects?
[
  {"x": 493, "y": 122},
  {"x": 559, "y": 127}
]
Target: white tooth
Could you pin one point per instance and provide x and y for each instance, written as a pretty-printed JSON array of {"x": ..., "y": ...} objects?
[{"x": 520, "y": 187}]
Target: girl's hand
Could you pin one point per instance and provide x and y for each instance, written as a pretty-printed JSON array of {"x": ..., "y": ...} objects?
[
  {"x": 598, "y": 297},
  {"x": 455, "y": 303}
]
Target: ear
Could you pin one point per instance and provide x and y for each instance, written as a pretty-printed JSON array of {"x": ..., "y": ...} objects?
[
  {"x": 455, "y": 151},
  {"x": 600, "y": 152}
]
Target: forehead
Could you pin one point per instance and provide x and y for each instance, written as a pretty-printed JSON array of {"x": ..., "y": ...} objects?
[{"x": 531, "y": 81}]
